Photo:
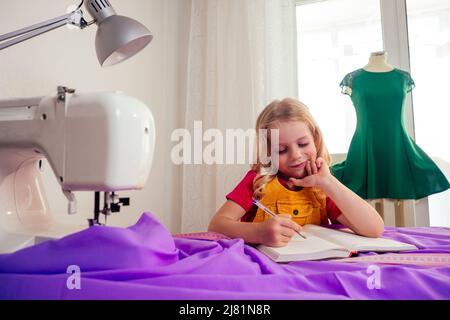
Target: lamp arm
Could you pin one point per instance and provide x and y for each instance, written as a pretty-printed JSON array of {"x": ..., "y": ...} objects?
[{"x": 74, "y": 18}]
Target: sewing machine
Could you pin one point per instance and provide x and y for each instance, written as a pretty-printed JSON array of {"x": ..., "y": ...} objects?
[{"x": 99, "y": 142}]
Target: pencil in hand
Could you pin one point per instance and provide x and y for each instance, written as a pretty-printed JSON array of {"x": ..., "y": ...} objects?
[{"x": 270, "y": 213}]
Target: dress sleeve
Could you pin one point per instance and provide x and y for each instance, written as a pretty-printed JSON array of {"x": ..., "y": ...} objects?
[
  {"x": 410, "y": 85},
  {"x": 242, "y": 194},
  {"x": 346, "y": 85}
]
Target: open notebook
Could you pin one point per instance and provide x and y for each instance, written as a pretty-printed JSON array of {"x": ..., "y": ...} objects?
[{"x": 324, "y": 243}]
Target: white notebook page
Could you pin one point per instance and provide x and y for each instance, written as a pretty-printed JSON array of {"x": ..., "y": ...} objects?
[
  {"x": 311, "y": 244},
  {"x": 355, "y": 242}
]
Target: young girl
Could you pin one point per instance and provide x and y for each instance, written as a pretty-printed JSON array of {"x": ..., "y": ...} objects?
[{"x": 303, "y": 191}]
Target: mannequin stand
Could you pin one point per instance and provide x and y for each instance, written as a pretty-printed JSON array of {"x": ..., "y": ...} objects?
[{"x": 402, "y": 213}]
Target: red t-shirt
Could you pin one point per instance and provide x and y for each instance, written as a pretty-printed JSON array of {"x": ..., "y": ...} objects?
[{"x": 243, "y": 194}]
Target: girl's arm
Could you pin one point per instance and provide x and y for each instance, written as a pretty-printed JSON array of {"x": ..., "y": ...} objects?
[
  {"x": 357, "y": 214},
  {"x": 275, "y": 232}
]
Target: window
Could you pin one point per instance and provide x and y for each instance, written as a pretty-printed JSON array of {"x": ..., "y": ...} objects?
[
  {"x": 334, "y": 37},
  {"x": 429, "y": 43}
]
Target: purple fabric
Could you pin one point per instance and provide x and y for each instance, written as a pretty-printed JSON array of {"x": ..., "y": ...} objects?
[{"x": 145, "y": 262}]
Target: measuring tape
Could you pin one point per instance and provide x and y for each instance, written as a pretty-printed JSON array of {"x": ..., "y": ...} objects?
[
  {"x": 422, "y": 259},
  {"x": 202, "y": 236}
]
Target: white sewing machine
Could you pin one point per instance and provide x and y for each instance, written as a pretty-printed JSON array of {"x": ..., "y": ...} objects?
[{"x": 100, "y": 142}]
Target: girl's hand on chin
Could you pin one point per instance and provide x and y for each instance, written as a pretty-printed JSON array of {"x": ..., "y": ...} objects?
[{"x": 317, "y": 173}]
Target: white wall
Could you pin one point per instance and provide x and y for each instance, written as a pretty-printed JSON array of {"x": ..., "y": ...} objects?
[{"x": 67, "y": 57}]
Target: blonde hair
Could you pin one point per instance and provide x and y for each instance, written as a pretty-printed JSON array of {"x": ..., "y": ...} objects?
[{"x": 288, "y": 109}]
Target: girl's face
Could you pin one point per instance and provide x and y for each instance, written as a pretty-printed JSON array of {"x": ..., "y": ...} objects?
[{"x": 296, "y": 146}]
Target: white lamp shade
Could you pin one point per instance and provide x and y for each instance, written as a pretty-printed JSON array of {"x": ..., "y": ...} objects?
[{"x": 119, "y": 38}]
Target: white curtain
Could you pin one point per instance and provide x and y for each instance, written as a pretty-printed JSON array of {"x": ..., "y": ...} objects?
[{"x": 241, "y": 56}]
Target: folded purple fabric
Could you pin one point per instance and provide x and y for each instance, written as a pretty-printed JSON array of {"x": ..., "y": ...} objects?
[{"x": 145, "y": 262}]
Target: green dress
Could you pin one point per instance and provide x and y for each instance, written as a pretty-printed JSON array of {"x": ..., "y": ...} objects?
[{"x": 383, "y": 161}]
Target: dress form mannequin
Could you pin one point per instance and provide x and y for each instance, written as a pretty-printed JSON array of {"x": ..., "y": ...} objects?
[
  {"x": 378, "y": 62},
  {"x": 378, "y": 92},
  {"x": 386, "y": 207}
]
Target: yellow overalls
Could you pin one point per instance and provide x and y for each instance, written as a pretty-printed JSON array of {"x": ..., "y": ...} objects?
[{"x": 307, "y": 206}]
